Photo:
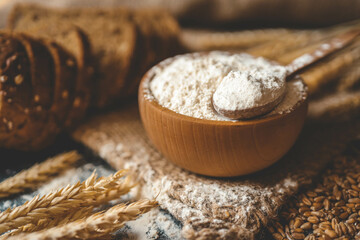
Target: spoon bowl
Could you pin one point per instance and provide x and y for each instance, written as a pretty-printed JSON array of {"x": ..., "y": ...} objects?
[
  {"x": 325, "y": 49},
  {"x": 218, "y": 148},
  {"x": 249, "y": 112}
]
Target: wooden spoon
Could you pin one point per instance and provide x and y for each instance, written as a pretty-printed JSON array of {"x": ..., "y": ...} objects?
[{"x": 299, "y": 63}]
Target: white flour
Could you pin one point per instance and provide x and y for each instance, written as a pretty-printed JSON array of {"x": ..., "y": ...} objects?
[
  {"x": 257, "y": 86},
  {"x": 187, "y": 83}
]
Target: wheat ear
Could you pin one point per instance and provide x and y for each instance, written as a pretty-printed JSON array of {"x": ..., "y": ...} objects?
[
  {"x": 96, "y": 226},
  {"x": 38, "y": 174},
  {"x": 120, "y": 189},
  {"x": 58, "y": 204},
  {"x": 45, "y": 223}
]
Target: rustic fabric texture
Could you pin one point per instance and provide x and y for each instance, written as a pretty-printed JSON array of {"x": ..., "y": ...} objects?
[{"x": 210, "y": 207}]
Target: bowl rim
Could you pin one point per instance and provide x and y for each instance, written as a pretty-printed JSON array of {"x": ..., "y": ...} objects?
[{"x": 146, "y": 94}]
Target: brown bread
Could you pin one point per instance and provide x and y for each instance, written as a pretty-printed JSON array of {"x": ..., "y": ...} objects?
[
  {"x": 73, "y": 39},
  {"x": 113, "y": 39},
  {"x": 15, "y": 86},
  {"x": 22, "y": 120},
  {"x": 145, "y": 37},
  {"x": 41, "y": 70},
  {"x": 64, "y": 81}
]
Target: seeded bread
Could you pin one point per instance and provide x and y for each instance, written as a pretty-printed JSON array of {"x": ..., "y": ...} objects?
[
  {"x": 15, "y": 86},
  {"x": 51, "y": 121},
  {"x": 21, "y": 119},
  {"x": 126, "y": 43},
  {"x": 73, "y": 39},
  {"x": 113, "y": 40},
  {"x": 41, "y": 70},
  {"x": 64, "y": 81}
]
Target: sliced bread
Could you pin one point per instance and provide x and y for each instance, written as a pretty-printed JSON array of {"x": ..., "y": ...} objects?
[
  {"x": 21, "y": 119},
  {"x": 39, "y": 22},
  {"x": 64, "y": 81},
  {"x": 113, "y": 41},
  {"x": 41, "y": 69}
]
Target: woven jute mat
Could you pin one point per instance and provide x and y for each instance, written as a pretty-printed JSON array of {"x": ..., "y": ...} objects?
[{"x": 211, "y": 208}]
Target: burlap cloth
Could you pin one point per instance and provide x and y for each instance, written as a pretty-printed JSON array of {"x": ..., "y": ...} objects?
[{"x": 210, "y": 208}]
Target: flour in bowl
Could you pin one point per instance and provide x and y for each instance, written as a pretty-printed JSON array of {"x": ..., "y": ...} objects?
[{"x": 186, "y": 83}]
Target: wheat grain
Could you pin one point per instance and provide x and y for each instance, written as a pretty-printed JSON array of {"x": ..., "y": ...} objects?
[
  {"x": 338, "y": 216},
  {"x": 97, "y": 226},
  {"x": 57, "y": 204},
  {"x": 38, "y": 174}
]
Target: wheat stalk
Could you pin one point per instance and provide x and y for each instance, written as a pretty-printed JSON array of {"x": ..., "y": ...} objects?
[
  {"x": 97, "y": 226},
  {"x": 329, "y": 69},
  {"x": 351, "y": 77},
  {"x": 196, "y": 40},
  {"x": 341, "y": 105},
  {"x": 57, "y": 204},
  {"x": 278, "y": 47},
  {"x": 38, "y": 174}
]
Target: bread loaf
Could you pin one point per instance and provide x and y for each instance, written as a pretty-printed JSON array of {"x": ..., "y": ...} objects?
[
  {"x": 64, "y": 76},
  {"x": 112, "y": 38},
  {"x": 125, "y": 43}
]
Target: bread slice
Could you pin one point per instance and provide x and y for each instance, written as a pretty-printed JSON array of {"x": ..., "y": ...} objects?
[
  {"x": 22, "y": 119},
  {"x": 41, "y": 70},
  {"x": 15, "y": 86},
  {"x": 64, "y": 81},
  {"x": 113, "y": 40}
]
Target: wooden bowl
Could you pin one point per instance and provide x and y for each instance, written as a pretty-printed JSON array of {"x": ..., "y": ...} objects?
[{"x": 218, "y": 148}]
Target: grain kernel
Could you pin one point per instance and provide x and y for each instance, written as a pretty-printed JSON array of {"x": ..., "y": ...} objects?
[
  {"x": 298, "y": 235},
  {"x": 313, "y": 219},
  {"x": 354, "y": 200},
  {"x": 297, "y": 223},
  {"x": 306, "y": 226},
  {"x": 277, "y": 236},
  {"x": 330, "y": 233}
]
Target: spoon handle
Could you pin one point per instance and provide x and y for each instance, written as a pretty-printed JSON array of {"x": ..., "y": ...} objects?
[{"x": 322, "y": 51}]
